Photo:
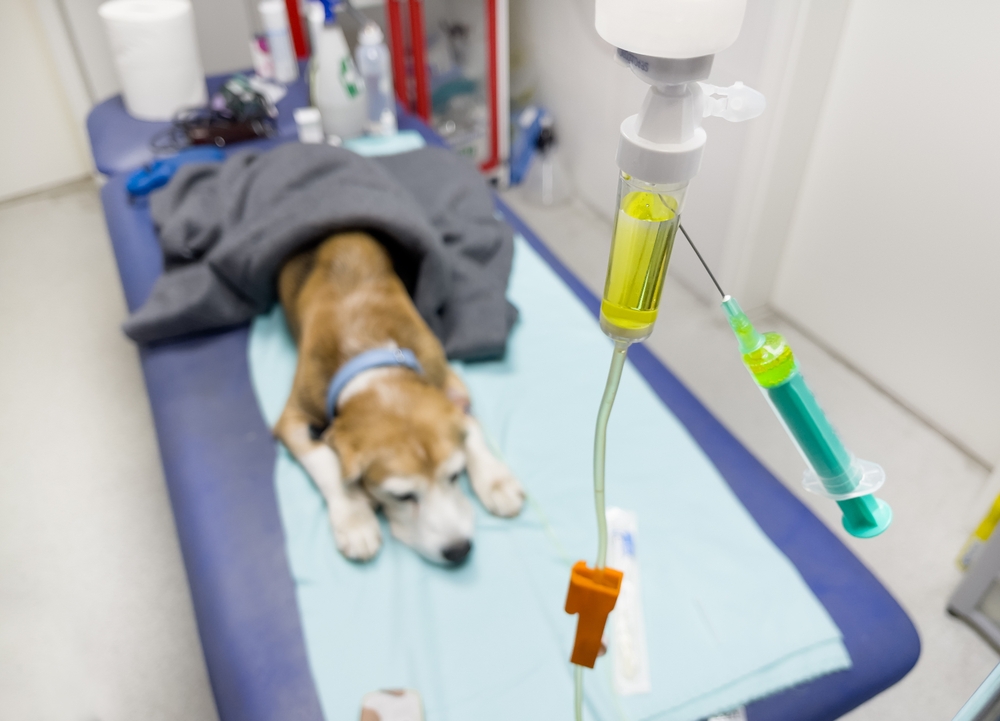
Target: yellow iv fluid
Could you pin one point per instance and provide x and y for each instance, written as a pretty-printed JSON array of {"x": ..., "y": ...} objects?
[{"x": 640, "y": 249}]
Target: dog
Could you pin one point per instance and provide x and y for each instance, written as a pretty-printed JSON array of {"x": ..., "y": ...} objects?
[{"x": 400, "y": 435}]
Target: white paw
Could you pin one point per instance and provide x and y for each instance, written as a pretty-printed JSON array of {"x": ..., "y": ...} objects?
[
  {"x": 356, "y": 531},
  {"x": 500, "y": 492}
]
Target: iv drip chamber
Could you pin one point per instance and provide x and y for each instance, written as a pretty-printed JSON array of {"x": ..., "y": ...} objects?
[{"x": 643, "y": 237}]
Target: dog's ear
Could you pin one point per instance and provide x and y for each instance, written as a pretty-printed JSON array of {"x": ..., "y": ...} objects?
[{"x": 352, "y": 464}]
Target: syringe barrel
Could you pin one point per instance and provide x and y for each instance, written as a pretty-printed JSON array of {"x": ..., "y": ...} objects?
[
  {"x": 645, "y": 225},
  {"x": 817, "y": 440},
  {"x": 864, "y": 515}
]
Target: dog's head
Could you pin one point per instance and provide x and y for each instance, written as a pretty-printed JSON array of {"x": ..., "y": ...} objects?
[{"x": 403, "y": 440}]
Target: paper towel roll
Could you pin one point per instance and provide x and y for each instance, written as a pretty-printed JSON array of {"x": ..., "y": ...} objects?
[{"x": 156, "y": 53}]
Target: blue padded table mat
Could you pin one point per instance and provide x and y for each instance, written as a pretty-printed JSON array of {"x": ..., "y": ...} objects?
[{"x": 218, "y": 459}]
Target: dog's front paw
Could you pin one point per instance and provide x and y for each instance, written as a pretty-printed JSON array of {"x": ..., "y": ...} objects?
[
  {"x": 500, "y": 492},
  {"x": 356, "y": 531}
]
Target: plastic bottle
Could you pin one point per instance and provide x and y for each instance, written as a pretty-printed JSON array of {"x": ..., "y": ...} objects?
[
  {"x": 374, "y": 64},
  {"x": 335, "y": 85},
  {"x": 308, "y": 122},
  {"x": 279, "y": 43}
]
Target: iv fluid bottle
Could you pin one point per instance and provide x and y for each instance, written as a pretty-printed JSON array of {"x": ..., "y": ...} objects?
[
  {"x": 372, "y": 57},
  {"x": 645, "y": 225},
  {"x": 335, "y": 85}
]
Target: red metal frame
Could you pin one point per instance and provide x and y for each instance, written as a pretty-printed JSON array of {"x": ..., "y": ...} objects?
[
  {"x": 417, "y": 41},
  {"x": 491, "y": 60},
  {"x": 299, "y": 39},
  {"x": 397, "y": 50},
  {"x": 421, "y": 104}
]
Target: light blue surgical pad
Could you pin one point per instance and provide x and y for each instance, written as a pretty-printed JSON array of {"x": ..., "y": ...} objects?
[{"x": 728, "y": 618}]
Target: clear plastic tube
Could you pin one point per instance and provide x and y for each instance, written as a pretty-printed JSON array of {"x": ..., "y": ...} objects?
[
  {"x": 578, "y": 693},
  {"x": 643, "y": 237},
  {"x": 647, "y": 220},
  {"x": 600, "y": 446}
]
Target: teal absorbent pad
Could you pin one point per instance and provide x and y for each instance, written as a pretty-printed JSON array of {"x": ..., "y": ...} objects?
[{"x": 728, "y": 618}]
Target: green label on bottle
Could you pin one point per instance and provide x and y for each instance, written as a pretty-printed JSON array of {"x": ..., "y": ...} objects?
[{"x": 349, "y": 78}]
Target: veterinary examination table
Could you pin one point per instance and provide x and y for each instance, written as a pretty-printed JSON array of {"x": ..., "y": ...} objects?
[{"x": 219, "y": 456}]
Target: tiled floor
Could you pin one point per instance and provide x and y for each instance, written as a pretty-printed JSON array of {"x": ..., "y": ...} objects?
[{"x": 95, "y": 617}]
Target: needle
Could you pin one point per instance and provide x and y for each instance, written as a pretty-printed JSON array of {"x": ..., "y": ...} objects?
[{"x": 704, "y": 264}]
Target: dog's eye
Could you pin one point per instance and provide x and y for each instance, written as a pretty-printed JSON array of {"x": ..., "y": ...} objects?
[
  {"x": 406, "y": 497},
  {"x": 454, "y": 477}
]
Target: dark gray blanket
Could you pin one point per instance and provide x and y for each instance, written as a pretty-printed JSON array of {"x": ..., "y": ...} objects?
[{"x": 227, "y": 228}]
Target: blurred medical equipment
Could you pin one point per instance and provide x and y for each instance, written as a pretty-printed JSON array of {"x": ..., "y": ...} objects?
[
  {"x": 546, "y": 182},
  {"x": 260, "y": 57},
  {"x": 374, "y": 65},
  {"x": 159, "y": 172},
  {"x": 528, "y": 126},
  {"x": 977, "y": 598},
  {"x": 274, "y": 17},
  {"x": 454, "y": 73},
  {"x": 832, "y": 471},
  {"x": 309, "y": 123},
  {"x": 156, "y": 56},
  {"x": 984, "y": 704},
  {"x": 978, "y": 539},
  {"x": 242, "y": 109},
  {"x": 335, "y": 86}
]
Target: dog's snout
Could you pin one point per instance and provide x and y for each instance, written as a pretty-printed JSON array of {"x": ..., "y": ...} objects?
[{"x": 457, "y": 552}]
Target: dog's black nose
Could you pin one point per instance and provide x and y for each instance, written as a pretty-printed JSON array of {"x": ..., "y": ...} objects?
[{"x": 457, "y": 552}]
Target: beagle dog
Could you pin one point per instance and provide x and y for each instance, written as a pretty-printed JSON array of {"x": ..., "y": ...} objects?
[{"x": 376, "y": 416}]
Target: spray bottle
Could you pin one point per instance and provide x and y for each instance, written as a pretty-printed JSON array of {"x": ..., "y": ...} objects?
[
  {"x": 335, "y": 85},
  {"x": 274, "y": 17},
  {"x": 374, "y": 63}
]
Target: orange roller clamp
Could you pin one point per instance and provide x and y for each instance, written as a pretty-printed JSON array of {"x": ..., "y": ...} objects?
[{"x": 592, "y": 594}]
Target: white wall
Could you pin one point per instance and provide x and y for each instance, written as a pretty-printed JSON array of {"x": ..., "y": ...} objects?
[
  {"x": 893, "y": 254},
  {"x": 40, "y": 144},
  {"x": 576, "y": 77}
]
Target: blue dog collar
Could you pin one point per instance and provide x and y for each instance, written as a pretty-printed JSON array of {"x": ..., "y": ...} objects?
[{"x": 376, "y": 358}]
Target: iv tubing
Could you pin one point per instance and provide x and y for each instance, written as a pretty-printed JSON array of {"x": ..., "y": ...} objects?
[
  {"x": 578, "y": 693},
  {"x": 600, "y": 443}
]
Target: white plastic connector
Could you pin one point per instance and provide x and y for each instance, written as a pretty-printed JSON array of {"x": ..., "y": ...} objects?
[
  {"x": 664, "y": 142},
  {"x": 738, "y": 102}
]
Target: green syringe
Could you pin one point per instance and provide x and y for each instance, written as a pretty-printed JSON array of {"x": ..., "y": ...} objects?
[{"x": 832, "y": 470}]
